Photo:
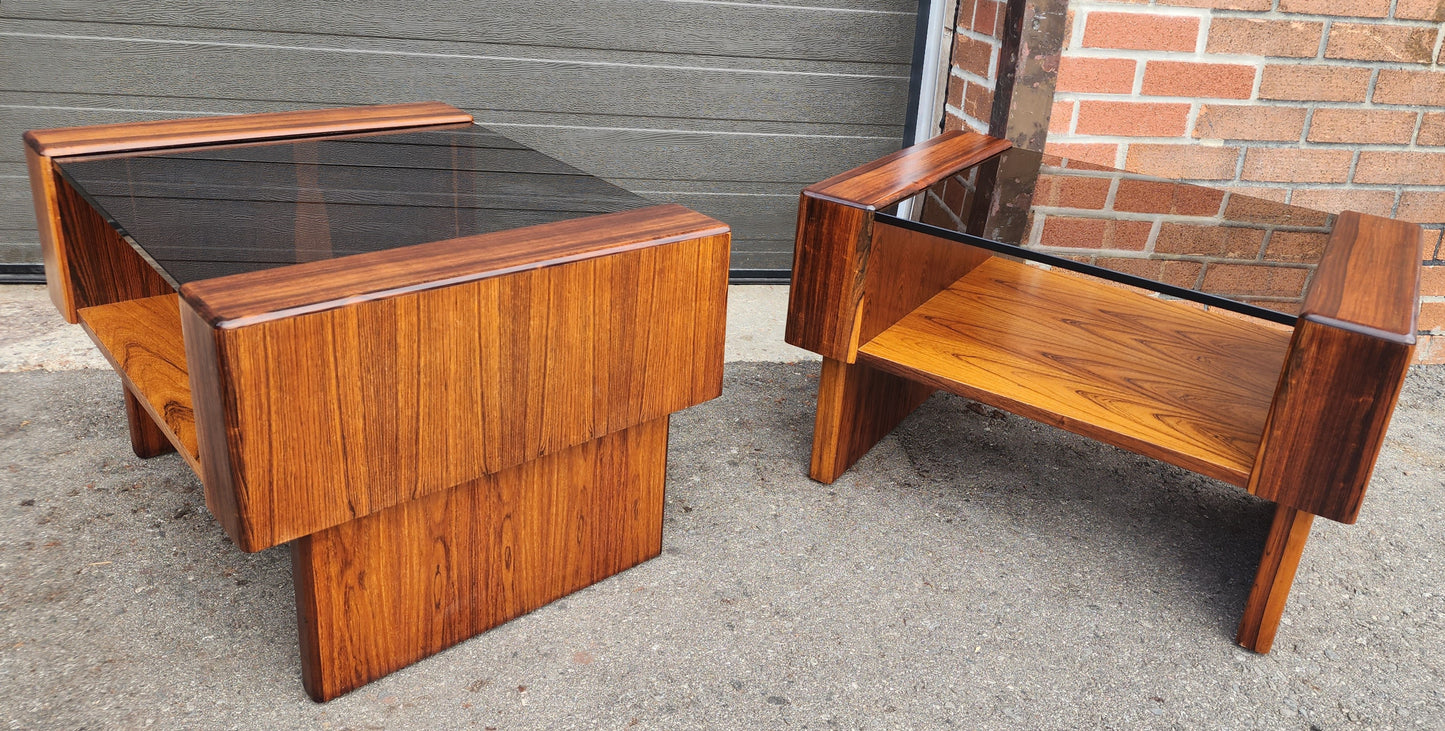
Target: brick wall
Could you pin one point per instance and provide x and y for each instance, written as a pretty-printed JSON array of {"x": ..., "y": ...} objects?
[
  {"x": 1328, "y": 104},
  {"x": 977, "y": 30}
]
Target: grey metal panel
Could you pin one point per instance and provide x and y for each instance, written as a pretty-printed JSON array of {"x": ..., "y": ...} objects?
[{"x": 727, "y": 107}]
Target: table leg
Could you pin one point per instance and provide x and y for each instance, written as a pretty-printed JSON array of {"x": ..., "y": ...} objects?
[
  {"x": 857, "y": 406},
  {"x": 383, "y": 591},
  {"x": 1282, "y": 549},
  {"x": 146, "y": 438}
]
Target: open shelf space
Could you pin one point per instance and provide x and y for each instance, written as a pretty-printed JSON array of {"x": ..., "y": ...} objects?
[
  {"x": 142, "y": 339},
  {"x": 1161, "y": 378}
]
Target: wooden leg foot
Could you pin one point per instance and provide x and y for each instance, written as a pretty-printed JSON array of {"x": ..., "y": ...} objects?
[
  {"x": 1282, "y": 549},
  {"x": 146, "y": 439},
  {"x": 857, "y": 406},
  {"x": 385, "y": 590}
]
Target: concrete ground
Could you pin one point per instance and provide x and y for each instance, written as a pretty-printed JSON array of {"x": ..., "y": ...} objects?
[{"x": 975, "y": 570}]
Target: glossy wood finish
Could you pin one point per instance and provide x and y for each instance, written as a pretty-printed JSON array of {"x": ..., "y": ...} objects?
[
  {"x": 830, "y": 259},
  {"x": 166, "y": 133},
  {"x": 1347, "y": 364},
  {"x": 550, "y": 358},
  {"x": 1194, "y": 390},
  {"x": 1283, "y": 546},
  {"x": 100, "y": 266},
  {"x": 47, "y": 220},
  {"x": 147, "y": 439},
  {"x": 929, "y": 265},
  {"x": 857, "y": 406},
  {"x": 142, "y": 340},
  {"x": 379, "y": 593}
]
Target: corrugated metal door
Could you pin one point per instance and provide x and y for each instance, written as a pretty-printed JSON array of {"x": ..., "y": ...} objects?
[{"x": 725, "y": 107}]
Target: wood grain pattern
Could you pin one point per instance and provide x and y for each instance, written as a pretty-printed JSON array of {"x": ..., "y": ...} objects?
[
  {"x": 857, "y": 406},
  {"x": 142, "y": 339},
  {"x": 147, "y": 439},
  {"x": 890, "y": 179},
  {"x": 1159, "y": 378},
  {"x": 103, "y": 267},
  {"x": 255, "y": 297},
  {"x": 325, "y": 417},
  {"x": 1288, "y": 533},
  {"x": 383, "y": 591},
  {"x": 1369, "y": 275},
  {"x": 47, "y": 221},
  {"x": 927, "y": 264},
  {"x": 160, "y": 134}
]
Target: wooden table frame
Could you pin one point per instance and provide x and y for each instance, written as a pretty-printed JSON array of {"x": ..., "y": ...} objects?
[
  {"x": 318, "y": 402},
  {"x": 1295, "y": 417}
]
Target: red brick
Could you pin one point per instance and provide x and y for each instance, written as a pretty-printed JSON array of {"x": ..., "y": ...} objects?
[
  {"x": 1432, "y": 128},
  {"x": 1379, "y": 126},
  {"x": 978, "y": 101},
  {"x": 1432, "y": 280},
  {"x": 1186, "y": 78},
  {"x": 1068, "y": 29},
  {"x": 1270, "y": 193},
  {"x": 1140, "y": 31},
  {"x": 972, "y": 55},
  {"x": 1293, "y": 165},
  {"x": 1246, "y": 209},
  {"x": 1260, "y": 280},
  {"x": 1098, "y": 154},
  {"x": 1432, "y": 316},
  {"x": 1254, "y": 37},
  {"x": 1422, "y": 206},
  {"x": 1415, "y": 88},
  {"x": 1315, "y": 83},
  {"x": 1381, "y": 42},
  {"x": 1334, "y": 200},
  {"x": 1345, "y": 8},
  {"x": 1409, "y": 168},
  {"x": 1178, "y": 273},
  {"x": 955, "y": 92},
  {"x": 1094, "y": 233},
  {"x": 1249, "y": 122},
  {"x": 1185, "y": 161},
  {"x": 987, "y": 17},
  {"x": 1071, "y": 191},
  {"x": 1420, "y": 10},
  {"x": 1154, "y": 196},
  {"x": 1296, "y": 246},
  {"x": 1061, "y": 115},
  {"x": 1222, "y": 242},
  {"x": 1096, "y": 75},
  {"x": 1220, "y": 4},
  {"x": 1132, "y": 119}
]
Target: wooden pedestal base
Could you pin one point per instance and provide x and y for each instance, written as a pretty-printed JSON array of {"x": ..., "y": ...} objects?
[
  {"x": 1287, "y": 535},
  {"x": 383, "y": 591}
]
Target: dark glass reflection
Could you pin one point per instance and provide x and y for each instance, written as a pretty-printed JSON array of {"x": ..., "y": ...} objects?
[
  {"x": 1216, "y": 242},
  {"x": 209, "y": 212}
]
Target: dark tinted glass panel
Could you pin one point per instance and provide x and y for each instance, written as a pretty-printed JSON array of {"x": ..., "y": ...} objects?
[
  {"x": 1205, "y": 240},
  {"x": 209, "y": 212}
]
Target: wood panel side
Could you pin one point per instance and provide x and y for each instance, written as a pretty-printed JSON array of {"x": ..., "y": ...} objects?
[
  {"x": 1369, "y": 275},
  {"x": 102, "y": 267},
  {"x": 890, "y": 179},
  {"x": 1288, "y": 533},
  {"x": 1328, "y": 418},
  {"x": 333, "y": 415},
  {"x": 905, "y": 269},
  {"x": 204, "y": 363},
  {"x": 857, "y": 406},
  {"x": 47, "y": 223},
  {"x": 161, "y": 134},
  {"x": 383, "y": 591},
  {"x": 828, "y": 272}
]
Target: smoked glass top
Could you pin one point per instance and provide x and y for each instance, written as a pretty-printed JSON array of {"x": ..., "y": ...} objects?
[
  {"x": 1206, "y": 242},
  {"x": 211, "y": 211}
]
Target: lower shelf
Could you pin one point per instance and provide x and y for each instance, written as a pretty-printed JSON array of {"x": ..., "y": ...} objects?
[
  {"x": 142, "y": 339},
  {"x": 1160, "y": 378}
]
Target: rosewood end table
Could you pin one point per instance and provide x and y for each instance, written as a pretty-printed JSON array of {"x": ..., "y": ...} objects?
[
  {"x": 1257, "y": 343},
  {"x": 436, "y": 362}
]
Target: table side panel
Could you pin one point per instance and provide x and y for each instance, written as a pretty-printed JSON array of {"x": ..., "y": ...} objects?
[
  {"x": 43, "y": 180},
  {"x": 379, "y": 593},
  {"x": 329, "y": 416},
  {"x": 101, "y": 266},
  {"x": 142, "y": 340},
  {"x": 1160, "y": 378},
  {"x": 890, "y": 179},
  {"x": 824, "y": 298},
  {"x": 905, "y": 269},
  {"x": 1369, "y": 275}
]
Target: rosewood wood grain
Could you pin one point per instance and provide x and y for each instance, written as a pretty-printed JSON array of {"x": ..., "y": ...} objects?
[
  {"x": 102, "y": 267},
  {"x": 1347, "y": 363},
  {"x": 381, "y": 592},
  {"x": 147, "y": 439},
  {"x": 927, "y": 264},
  {"x": 255, "y": 297},
  {"x": 1160, "y": 378},
  {"x": 835, "y": 218},
  {"x": 47, "y": 221},
  {"x": 325, "y": 417},
  {"x": 142, "y": 339},
  {"x": 857, "y": 406},
  {"x": 1288, "y": 533},
  {"x": 167, "y": 133}
]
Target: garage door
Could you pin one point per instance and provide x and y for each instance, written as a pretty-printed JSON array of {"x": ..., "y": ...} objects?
[{"x": 728, "y": 108}]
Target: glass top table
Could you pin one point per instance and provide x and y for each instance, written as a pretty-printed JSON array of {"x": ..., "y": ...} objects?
[
  {"x": 220, "y": 210},
  {"x": 1212, "y": 246}
]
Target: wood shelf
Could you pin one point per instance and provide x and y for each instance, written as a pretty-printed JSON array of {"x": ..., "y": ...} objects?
[
  {"x": 142, "y": 339},
  {"x": 1161, "y": 378}
]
